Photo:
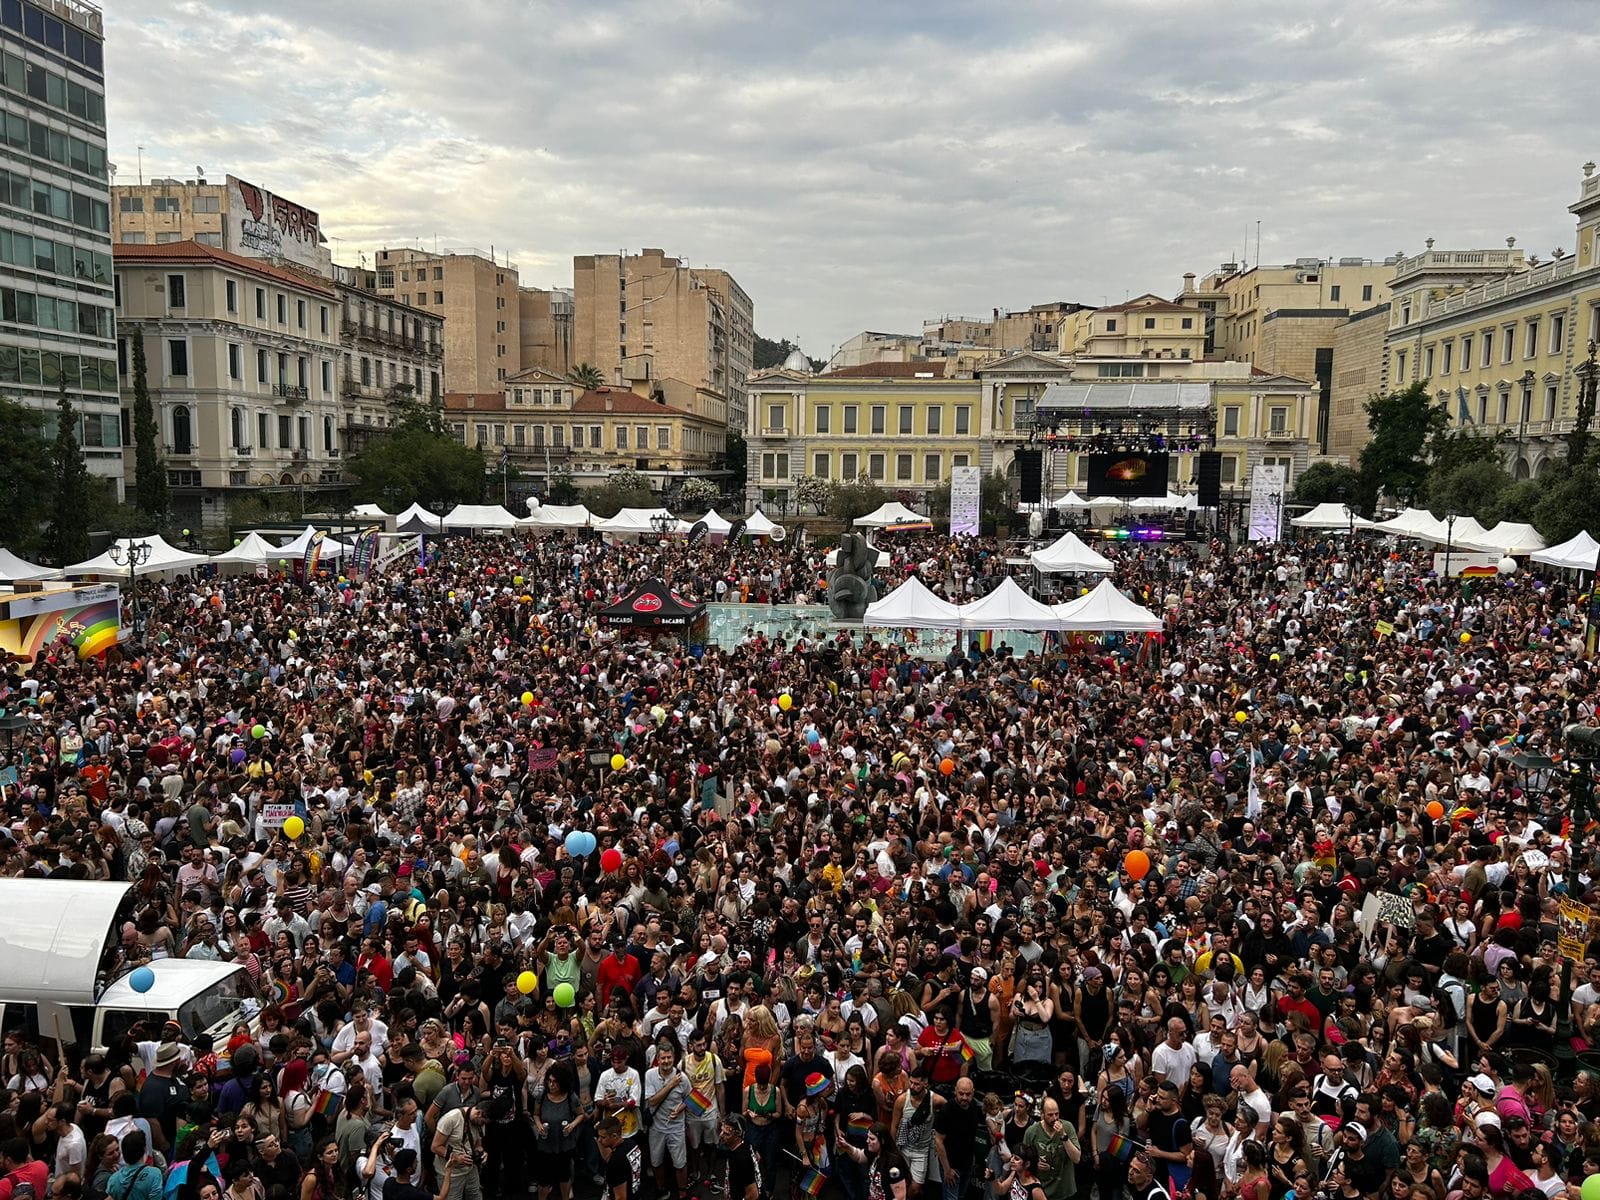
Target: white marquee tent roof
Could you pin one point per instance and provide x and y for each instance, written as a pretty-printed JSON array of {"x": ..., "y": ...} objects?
[
  {"x": 892, "y": 513},
  {"x": 637, "y": 521},
  {"x": 913, "y": 606},
  {"x": 332, "y": 547},
  {"x": 715, "y": 522},
  {"x": 1509, "y": 537},
  {"x": 1068, "y": 554},
  {"x": 558, "y": 516},
  {"x": 479, "y": 516},
  {"x": 12, "y": 567},
  {"x": 758, "y": 524},
  {"x": 1577, "y": 553},
  {"x": 1330, "y": 514},
  {"x": 1410, "y": 523},
  {"x": 162, "y": 558},
  {"x": 1009, "y": 607},
  {"x": 370, "y": 511},
  {"x": 252, "y": 551},
  {"x": 1106, "y": 610},
  {"x": 417, "y": 519}
]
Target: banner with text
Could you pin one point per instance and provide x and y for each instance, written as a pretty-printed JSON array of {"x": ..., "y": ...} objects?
[
  {"x": 1267, "y": 486},
  {"x": 966, "y": 501}
]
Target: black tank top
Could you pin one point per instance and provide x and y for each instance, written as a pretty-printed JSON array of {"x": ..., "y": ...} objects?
[
  {"x": 1482, "y": 1017},
  {"x": 976, "y": 1019},
  {"x": 1096, "y": 1008}
]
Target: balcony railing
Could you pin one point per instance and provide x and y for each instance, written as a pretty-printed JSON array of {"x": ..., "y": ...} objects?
[{"x": 291, "y": 391}]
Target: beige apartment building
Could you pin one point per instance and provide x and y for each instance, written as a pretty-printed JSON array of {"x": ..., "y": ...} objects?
[
  {"x": 235, "y": 215},
  {"x": 1361, "y": 374},
  {"x": 241, "y": 362},
  {"x": 544, "y": 322},
  {"x": 390, "y": 353},
  {"x": 476, "y": 297},
  {"x": 638, "y": 317}
]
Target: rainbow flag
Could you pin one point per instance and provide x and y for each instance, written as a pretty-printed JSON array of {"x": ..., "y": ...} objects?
[
  {"x": 859, "y": 1123},
  {"x": 313, "y": 555},
  {"x": 328, "y": 1103},
  {"x": 699, "y": 1103},
  {"x": 1121, "y": 1148},
  {"x": 967, "y": 1053},
  {"x": 813, "y": 1181}
]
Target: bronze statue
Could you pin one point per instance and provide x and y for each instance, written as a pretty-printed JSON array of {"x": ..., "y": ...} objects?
[{"x": 850, "y": 587}]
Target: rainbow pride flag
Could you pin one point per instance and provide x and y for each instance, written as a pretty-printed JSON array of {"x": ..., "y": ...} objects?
[
  {"x": 967, "y": 1053},
  {"x": 813, "y": 1181},
  {"x": 859, "y": 1123},
  {"x": 1121, "y": 1148},
  {"x": 699, "y": 1103},
  {"x": 328, "y": 1103}
]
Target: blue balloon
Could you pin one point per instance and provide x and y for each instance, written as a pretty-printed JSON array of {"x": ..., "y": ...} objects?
[
  {"x": 589, "y": 844},
  {"x": 574, "y": 843},
  {"x": 142, "y": 979},
  {"x": 812, "y": 737}
]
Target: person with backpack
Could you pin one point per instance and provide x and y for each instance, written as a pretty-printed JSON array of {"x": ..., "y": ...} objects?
[{"x": 136, "y": 1179}]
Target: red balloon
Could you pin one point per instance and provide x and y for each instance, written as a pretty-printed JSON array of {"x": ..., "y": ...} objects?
[
  {"x": 611, "y": 860},
  {"x": 1137, "y": 864},
  {"x": 947, "y": 766}
]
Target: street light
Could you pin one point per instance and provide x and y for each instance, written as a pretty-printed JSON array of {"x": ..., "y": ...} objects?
[
  {"x": 1449, "y": 540},
  {"x": 135, "y": 555},
  {"x": 1349, "y": 513},
  {"x": 663, "y": 523}
]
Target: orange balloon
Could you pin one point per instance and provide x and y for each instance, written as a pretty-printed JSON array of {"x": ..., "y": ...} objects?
[
  {"x": 947, "y": 766},
  {"x": 1137, "y": 864},
  {"x": 1435, "y": 809}
]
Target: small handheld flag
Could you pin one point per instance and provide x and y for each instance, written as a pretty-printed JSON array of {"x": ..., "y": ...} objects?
[
  {"x": 699, "y": 1103},
  {"x": 813, "y": 1181},
  {"x": 1120, "y": 1148}
]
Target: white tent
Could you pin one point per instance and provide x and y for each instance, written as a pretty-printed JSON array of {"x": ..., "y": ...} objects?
[
  {"x": 1413, "y": 522},
  {"x": 1576, "y": 554},
  {"x": 758, "y": 524},
  {"x": 1509, "y": 537},
  {"x": 1008, "y": 607},
  {"x": 480, "y": 516},
  {"x": 1106, "y": 610},
  {"x": 716, "y": 523},
  {"x": 1071, "y": 501},
  {"x": 162, "y": 558},
  {"x": 13, "y": 568},
  {"x": 892, "y": 513},
  {"x": 332, "y": 547},
  {"x": 1068, "y": 554},
  {"x": 370, "y": 511},
  {"x": 253, "y": 550},
  {"x": 557, "y": 516},
  {"x": 1330, "y": 514},
  {"x": 639, "y": 522},
  {"x": 913, "y": 606},
  {"x": 417, "y": 519},
  {"x": 1163, "y": 503}
]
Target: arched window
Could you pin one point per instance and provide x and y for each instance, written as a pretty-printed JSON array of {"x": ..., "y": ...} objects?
[
  {"x": 236, "y": 420},
  {"x": 182, "y": 436}
]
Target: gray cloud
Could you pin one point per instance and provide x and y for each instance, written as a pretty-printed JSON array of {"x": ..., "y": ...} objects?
[{"x": 870, "y": 165}]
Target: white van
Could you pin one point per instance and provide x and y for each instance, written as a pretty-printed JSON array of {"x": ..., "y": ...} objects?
[{"x": 56, "y": 937}]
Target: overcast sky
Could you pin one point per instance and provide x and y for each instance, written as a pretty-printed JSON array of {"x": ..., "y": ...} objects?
[{"x": 869, "y": 164}]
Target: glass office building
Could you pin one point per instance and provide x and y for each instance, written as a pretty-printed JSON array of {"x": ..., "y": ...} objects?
[{"x": 57, "y": 301}]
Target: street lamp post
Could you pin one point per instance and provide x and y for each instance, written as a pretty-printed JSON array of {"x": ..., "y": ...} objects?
[
  {"x": 1449, "y": 540},
  {"x": 135, "y": 555},
  {"x": 662, "y": 523}
]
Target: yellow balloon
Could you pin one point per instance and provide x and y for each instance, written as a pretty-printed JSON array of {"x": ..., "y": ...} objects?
[
  {"x": 1241, "y": 716},
  {"x": 293, "y": 827},
  {"x": 527, "y": 698},
  {"x": 517, "y": 579},
  {"x": 786, "y": 702},
  {"x": 618, "y": 762},
  {"x": 1465, "y": 638},
  {"x": 526, "y": 982}
]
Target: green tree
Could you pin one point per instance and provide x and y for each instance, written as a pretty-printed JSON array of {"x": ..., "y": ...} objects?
[
  {"x": 1324, "y": 481},
  {"x": 1518, "y": 502},
  {"x": 810, "y": 490},
  {"x": 418, "y": 462},
  {"x": 736, "y": 461},
  {"x": 769, "y": 353},
  {"x": 149, "y": 472},
  {"x": 1470, "y": 488},
  {"x": 562, "y": 490},
  {"x": 586, "y": 376},
  {"x": 68, "y": 535},
  {"x": 1569, "y": 503},
  {"x": 697, "y": 495},
  {"x": 1402, "y": 424},
  {"x": 624, "y": 489},
  {"x": 849, "y": 499},
  {"x": 27, "y": 480}
]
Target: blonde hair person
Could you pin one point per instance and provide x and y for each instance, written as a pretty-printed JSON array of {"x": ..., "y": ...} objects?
[{"x": 763, "y": 1042}]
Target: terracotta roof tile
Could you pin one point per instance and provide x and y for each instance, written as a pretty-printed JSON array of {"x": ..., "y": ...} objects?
[{"x": 170, "y": 252}]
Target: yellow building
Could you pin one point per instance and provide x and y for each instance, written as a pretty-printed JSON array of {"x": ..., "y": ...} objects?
[
  {"x": 1499, "y": 339},
  {"x": 1144, "y": 328},
  {"x": 901, "y": 425}
]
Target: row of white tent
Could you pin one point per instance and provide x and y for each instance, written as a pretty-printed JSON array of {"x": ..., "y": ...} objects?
[
  {"x": 253, "y": 550},
  {"x": 629, "y": 521},
  {"x": 1508, "y": 537},
  {"x": 1072, "y": 502},
  {"x": 1102, "y": 610}
]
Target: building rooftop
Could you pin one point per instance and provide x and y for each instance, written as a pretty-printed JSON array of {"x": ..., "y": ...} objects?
[
  {"x": 933, "y": 369},
  {"x": 620, "y": 402},
  {"x": 194, "y": 252}
]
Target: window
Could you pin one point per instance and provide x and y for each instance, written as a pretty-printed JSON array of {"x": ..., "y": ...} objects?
[
  {"x": 366, "y": 372},
  {"x": 622, "y": 437},
  {"x": 849, "y": 468},
  {"x": 261, "y": 304},
  {"x": 1532, "y": 346},
  {"x": 850, "y": 417},
  {"x": 182, "y": 432},
  {"x": 518, "y": 432},
  {"x": 1405, "y": 314},
  {"x": 1558, "y": 332},
  {"x": 823, "y": 419},
  {"x": 963, "y": 420},
  {"x": 499, "y": 435},
  {"x": 905, "y": 419},
  {"x": 231, "y": 291},
  {"x": 1505, "y": 405},
  {"x": 1449, "y": 349},
  {"x": 959, "y": 460},
  {"x": 327, "y": 377},
  {"x": 875, "y": 463},
  {"x": 133, "y": 239},
  {"x": 1483, "y": 408},
  {"x": 663, "y": 437},
  {"x": 594, "y": 437},
  {"x": 285, "y": 441},
  {"x": 283, "y": 309},
  {"x": 175, "y": 293},
  {"x": 1466, "y": 352},
  {"x": 178, "y": 358},
  {"x": 328, "y": 442},
  {"x": 775, "y": 416},
  {"x": 1508, "y": 343},
  {"x": 1230, "y": 421},
  {"x": 1149, "y": 322},
  {"x": 819, "y": 465},
  {"x": 1366, "y": 292},
  {"x": 775, "y": 465},
  {"x": 1550, "y": 402},
  {"x": 930, "y": 468},
  {"x": 558, "y": 436},
  {"x": 1277, "y": 420},
  {"x": 880, "y": 416},
  {"x": 1427, "y": 362},
  {"x": 300, "y": 313},
  {"x": 438, "y": 297},
  {"x": 235, "y": 362},
  {"x": 236, "y": 427},
  {"x": 577, "y": 437},
  {"x": 641, "y": 437},
  {"x": 936, "y": 420},
  {"x": 1333, "y": 293},
  {"x": 1111, "y": 324},
  {"x": 1230, "y": 468},
  {"x": 263, "y": 428},
  {"x": 902, "y": 467},
  {"x": 132, "y": 204},
  {"x": 1488, "y": 348}
]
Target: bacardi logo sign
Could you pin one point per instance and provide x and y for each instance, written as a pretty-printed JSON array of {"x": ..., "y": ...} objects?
[{"x": 649, "y": 602}]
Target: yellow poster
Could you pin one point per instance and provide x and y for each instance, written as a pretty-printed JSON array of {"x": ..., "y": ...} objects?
[
  {"x": 1385, "y": 629},
  {"x": 1572, "y": 929}
]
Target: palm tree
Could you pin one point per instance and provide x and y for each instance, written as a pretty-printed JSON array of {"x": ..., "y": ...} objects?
[{"x": 586, "y": 376}]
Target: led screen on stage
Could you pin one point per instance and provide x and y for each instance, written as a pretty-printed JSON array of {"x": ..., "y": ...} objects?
[{"x": 1127, "y": 476}]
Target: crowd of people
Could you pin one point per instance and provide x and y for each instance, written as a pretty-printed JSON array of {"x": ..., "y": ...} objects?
[{"x": 1263, "y": 906}]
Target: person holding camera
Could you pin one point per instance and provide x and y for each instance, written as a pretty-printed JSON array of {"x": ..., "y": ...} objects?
[{"x": 458, "y": 1147}]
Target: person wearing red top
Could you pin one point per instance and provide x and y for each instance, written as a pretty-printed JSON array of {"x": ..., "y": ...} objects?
[
  {"x": 939, "y": 1050},
  {"x": 1296, "y": 1002},
  {"x": 619, "y": 969},
  {"x": 21, "y": 1167},
  {"x": 372, "y": 959}
]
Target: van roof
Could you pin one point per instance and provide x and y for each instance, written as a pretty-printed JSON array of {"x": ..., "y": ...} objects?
[
  {"x": 178, "y": 980},
  {"x": 52, "y": 933}
]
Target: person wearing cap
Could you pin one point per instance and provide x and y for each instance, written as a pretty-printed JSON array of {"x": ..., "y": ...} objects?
[
  {"x": 164, "y": 1097},
  {"x": 619, "y": 1091},
  {"x": 976, "y": 1014},
  {"x": 1352, "y": 1172}
]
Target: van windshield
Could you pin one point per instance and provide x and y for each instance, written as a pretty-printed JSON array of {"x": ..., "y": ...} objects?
[{"x": 226, "y": 1002}]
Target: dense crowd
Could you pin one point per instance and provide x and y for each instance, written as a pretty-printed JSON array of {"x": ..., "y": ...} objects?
[{"x": 879, "y": 918}]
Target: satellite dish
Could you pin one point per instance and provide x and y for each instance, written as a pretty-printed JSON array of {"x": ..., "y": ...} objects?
[
  {"x": 778, "y": 534},
  {"x": 698, "y": 532}
]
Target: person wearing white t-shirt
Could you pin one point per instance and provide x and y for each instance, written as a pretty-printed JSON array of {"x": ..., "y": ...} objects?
[{"x": 1171, "y": 1060}]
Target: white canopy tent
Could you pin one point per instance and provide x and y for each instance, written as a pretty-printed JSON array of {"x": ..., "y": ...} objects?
[
  {"x": 332, "y": 547},
  {"x": 557, "y": 516},
  {"x": 1163, "y": 503},
  {"x": 758, "y": 524},
  {"x": 1008, "y": 607},
  {"x": 1068, "y": 555},
  {"x": 716, "y": 523},
  {"x": 13, "y": 568},
  {"x": 1509, "y": 537},
  {"x": 162, "y": 558},
  {"x": 1330, "y": 514},
  {"x": 1578, "y": 553},
  {"x": 1413, "y": 522},
  {"x": 639, "y": 522},
  {"x": 370, "y": 511},
  {"x": 913, "y": 606},
  {"x": 892, "y": 513},
  {"x": 1106, "y": 610},
  {"x": 417, "y": 519},
  {"x": 253, "y": 550},
  {"x": 480, "y": 516}
]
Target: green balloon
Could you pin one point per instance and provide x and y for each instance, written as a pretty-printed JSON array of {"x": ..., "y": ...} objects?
[
  {"x": 1591, "y": 1188},
  {"x": 564, "y": 997},
  {"x": 258, "y": 731}
]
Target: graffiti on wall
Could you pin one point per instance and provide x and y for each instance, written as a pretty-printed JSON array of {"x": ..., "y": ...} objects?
[{"x": 269, "y": 226}]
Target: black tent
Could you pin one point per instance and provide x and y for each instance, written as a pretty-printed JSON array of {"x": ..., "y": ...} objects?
[{"x": 650, "y": 605}]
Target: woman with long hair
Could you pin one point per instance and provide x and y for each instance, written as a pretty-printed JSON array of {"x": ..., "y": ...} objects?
[
  {"x": 1021, "y": 1178},
  {"x": 762, "y": 1044},
  {"x": 505, "y": 1092},
  {"x": 321, "y": 1180},
  {"x": 888, "y": 1173},
  {"x": 1286, "y": 1155},
  {"x": 855, "y": 1111},
  {"x": 1111, "y": 1120},
  {"x": 764, "y": 1108},
  {"x": 557, "y": 1118}
]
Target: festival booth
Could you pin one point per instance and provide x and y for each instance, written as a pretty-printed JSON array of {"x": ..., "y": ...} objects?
[
  {"x": 417, "y": 519},
  {"x": 252, "y": 551},
  {"x": 912, "y": 606},
  {"x": 1332, "y": 516},
  {"x": 1106, "y": 610},
  {"x": 1008, "y": 607},
  {"x": 479, "y": 518},
  {"x": 162, "y": 559},
  {"x": 1067, "y": 555},
  {"x": 636, "y": 523},
  {"x": 1509, "y": 537},
  {"x": 717, "y": 526},
  {"x": 37, "y": 617},
  {"x": 651, "y": 607},
  {"x": 1411, "y": 522},
  {"x": 331, "y": 547},
  {"x": 551, "y": 517},
  {"x": 758, "y": 524},
  {"x": 893, "y": 516},
  {"x": 13, "y": 568},
  {"x": 1578, "y": 553}
]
